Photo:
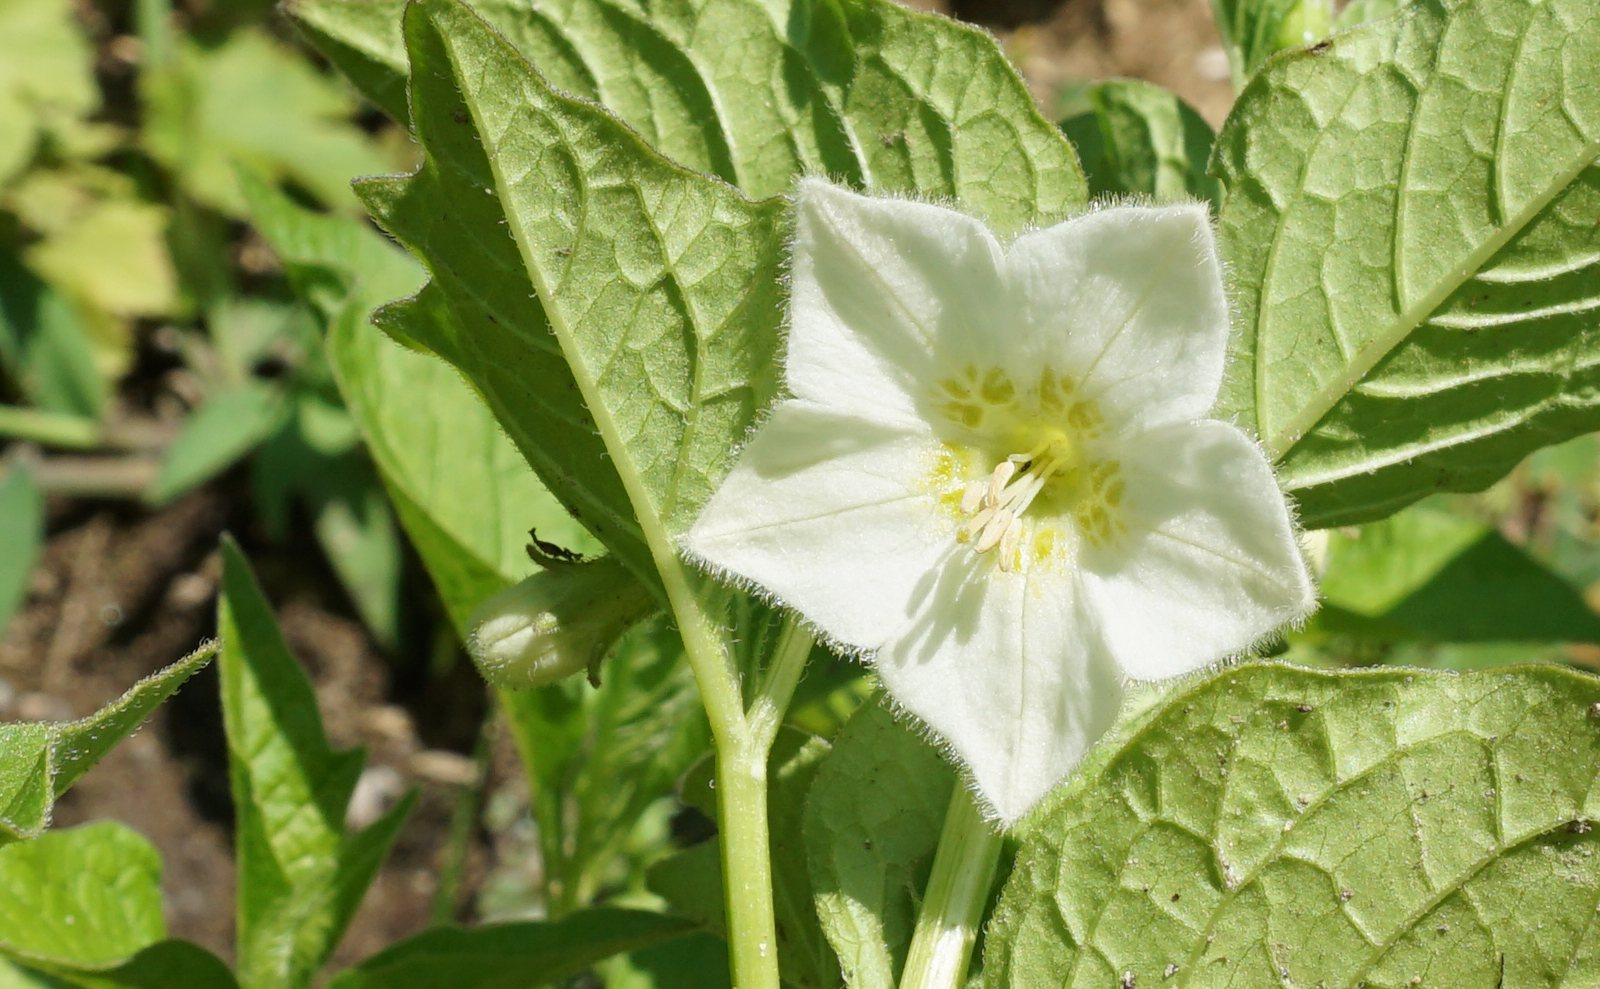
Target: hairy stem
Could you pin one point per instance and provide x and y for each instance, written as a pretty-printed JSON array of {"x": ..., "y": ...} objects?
[
  {"x": 742, "y": 811},
  {"x": 747, "y": 866},
  {"x": 952, "y": 907}
]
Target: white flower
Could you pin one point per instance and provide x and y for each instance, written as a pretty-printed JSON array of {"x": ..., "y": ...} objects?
[{"x": 994, "y": 474}]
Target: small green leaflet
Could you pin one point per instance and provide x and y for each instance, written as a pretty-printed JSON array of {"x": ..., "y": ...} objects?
[
  {"x": 1413, "y": 224},
  {"x": 39, "y": 761},
  {"x": 1136, "y": 138},
  {"x": 89, "y": 895},
  {"x": 1274, "y": 826},
  {"x": 301, "y": 876},
  {"x": 224, "y": 428},
  {"x": 872, "y": 823}
]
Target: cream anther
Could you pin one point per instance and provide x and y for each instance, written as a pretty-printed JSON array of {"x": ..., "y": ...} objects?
[
  {"x": 1003, "y": 472},
  {"x": 994, "y": 505},
  {"x": 972, "y": 497},
  {"x": 994, "y": 529}
]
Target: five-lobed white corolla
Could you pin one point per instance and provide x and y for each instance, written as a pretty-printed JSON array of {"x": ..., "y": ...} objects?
[{"x": 995, "y": 476}]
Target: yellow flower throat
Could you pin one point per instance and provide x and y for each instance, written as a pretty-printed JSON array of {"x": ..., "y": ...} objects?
[{"x": 1044, "y": 476}]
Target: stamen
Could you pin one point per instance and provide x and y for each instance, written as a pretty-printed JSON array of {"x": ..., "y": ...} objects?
[
  {"x": 1009, "y": 542},
  {"x": 1003, "y": 472},
  {"x": 972, "y": 497},
  {"x": 993, "y": 530},
  {"x": 995, "y": 503}
]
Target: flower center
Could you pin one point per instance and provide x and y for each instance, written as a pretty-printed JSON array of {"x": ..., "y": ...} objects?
[
  {"x": 995, "y": 503},
  {"x": 1056, "y": 466}
]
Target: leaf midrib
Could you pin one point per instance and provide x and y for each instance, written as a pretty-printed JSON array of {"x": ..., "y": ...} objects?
[
  {"x": 721, "y": 698},
  {"x": 1323, "y": 401}
]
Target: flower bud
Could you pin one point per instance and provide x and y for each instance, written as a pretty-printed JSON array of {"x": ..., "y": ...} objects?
[{"x": 555, "y": 623}]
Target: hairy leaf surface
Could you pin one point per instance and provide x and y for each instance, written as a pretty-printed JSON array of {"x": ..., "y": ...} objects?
[
  {"x": 1273, "y": 826},
  {"x": 40, "y": 760},
  {"x": 660, "y": 285},
  {"x": 756, "y": 92},
  {"x": 1413, "y": 224}
]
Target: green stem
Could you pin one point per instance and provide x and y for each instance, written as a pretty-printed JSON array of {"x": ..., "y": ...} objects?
[
  {"x": 952, "y": 907},
  {"x": 742, "y": 812},
  {"x": 777, "y": 684},
  {"x": 747, "y": 866}
]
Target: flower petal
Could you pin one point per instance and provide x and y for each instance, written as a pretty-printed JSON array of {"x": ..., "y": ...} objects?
[
  {"x": 1209, "y": 563},
  {"x": 833, "y": 515},
  {"x": 1129, "y": 301},
  {"x": 1011, "y": 670},
  {"x": 878, "y": 285}
]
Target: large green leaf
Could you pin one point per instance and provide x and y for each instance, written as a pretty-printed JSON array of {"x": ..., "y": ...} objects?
[
  {"x": 1412, "y": 224},
  {"x": 872, "y": 824},
  {"x": 692, "y": 880},
  {"x": 1435, "y": 575},
  {"x": 756, "y": 92},
  {"x": 301, "y": 876},
  {"x": 661, "y": 285},
  {"x": 89, "y": 895},
  {"x": 1272, "y": 826},
  {"x": 491, "y": 327},
  {"x": 39, "y": 761},
  {"x": 21, "y": 536},
  {"x": 510, "y": 956}
]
